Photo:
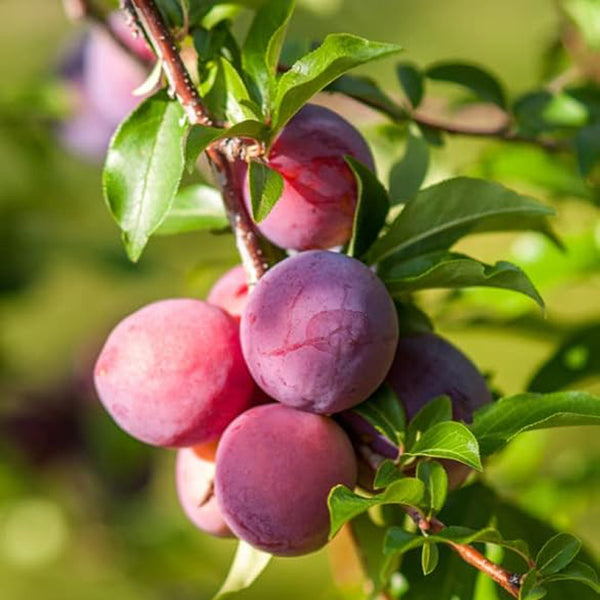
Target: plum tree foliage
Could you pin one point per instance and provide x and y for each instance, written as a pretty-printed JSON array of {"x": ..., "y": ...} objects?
[{"x": 332, "y": 341}]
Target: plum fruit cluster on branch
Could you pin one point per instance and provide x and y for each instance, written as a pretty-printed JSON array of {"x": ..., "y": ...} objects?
[{"x": 293, "y": 383}]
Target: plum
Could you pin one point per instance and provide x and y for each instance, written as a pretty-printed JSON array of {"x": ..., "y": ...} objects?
[
  {"x": 274, "y": 470},
  {"x": 319, "y": 332},
  {"x": 230, "y": 292},
  {"x": 316, "y": 209},
  {"x": 425, "y": 366},
  {"x": 172, "y": 373},
  {"x": 110, "y": 75},
  {"x": 194, "y": 476}
]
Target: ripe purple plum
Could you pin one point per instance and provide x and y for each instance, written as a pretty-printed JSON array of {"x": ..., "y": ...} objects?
[
  {"x": 319, "y": 332},
  {"x": 425, "y": 366},
  {"x": 275, "y": 467},
  {"x": 316, "y": 209},
  {"x": 194, "y": 476},
  {"x": 172, "y": 373},
  {"x": 230, "y": 292}
]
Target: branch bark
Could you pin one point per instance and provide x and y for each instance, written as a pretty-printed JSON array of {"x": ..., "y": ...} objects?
[
  {"x": 227, "y": 170},
  {"x": 511, "y": 582}
]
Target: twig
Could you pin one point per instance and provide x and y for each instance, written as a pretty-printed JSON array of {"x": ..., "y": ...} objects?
[
  {"x": 502, "y": 133},
  {"x": 509, "y": 581},
  {"x": 227, "y": 171},
  {"x": 77, "y": 10}
]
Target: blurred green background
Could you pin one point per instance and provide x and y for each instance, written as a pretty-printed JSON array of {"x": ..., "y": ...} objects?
[{"x": 86, "y": 512}]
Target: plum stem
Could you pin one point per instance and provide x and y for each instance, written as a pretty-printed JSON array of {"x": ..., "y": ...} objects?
[
  {"x": 256, "y": 253},
  {"x": 509, "y": 581}
]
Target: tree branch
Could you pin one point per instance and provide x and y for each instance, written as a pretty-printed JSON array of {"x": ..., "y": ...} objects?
[
  {"x": 511, "y": 582},
  {"x": 227, "y": 170}
]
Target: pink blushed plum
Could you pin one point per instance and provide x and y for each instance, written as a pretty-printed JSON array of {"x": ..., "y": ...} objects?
[
  {"x": 194, "y": 476},
  {"x": 316, "y": 209},
  {"x": 275, "y": 468},
  {"x": 172, "y": 373},
  {"x": 319, "y": 332},
  {"x": 230, "y": 292}
]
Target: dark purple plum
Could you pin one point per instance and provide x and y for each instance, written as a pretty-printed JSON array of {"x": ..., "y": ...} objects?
[
  {"x": 319, "y": 332},
  {"x": 275, "y": 468},
  {"x": 316, "y": 209},
  {"x": 172, "y": 373}
]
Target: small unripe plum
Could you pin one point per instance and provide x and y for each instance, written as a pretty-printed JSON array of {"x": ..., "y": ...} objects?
[
  {"x": 230, "y": 292},
  {"x": 172, "y": 373},
  {"x": 319, "y": 332},
  {"x": 110, "y": 75},
  {"x": 275, "y": 468},
  {"x": 316, "y": 208},
  {"x": 194, "y": 476},
  {"x": 427, "y": 366}
]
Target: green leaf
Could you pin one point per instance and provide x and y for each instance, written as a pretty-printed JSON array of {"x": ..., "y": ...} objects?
[
  {"x": 266, "y": 186},
  {"x": 541, "y": 111},
  {"x": 337, "y": 54},
  {"x": 586, "y": 16},
  {"x": 477, "y": 80},
  {"x": 200, "y": 137},
  {"x": 577, "y": 358},
  {"x": 372, "y": 207},
  {"x": 387, "y": 473},
  {"x": 429, "y": 557},
  {"x": 577, "y": 571},
  {"x": 530, "y": 589},
  {"x": 407, "y": 175},
  {"x": 435, "y": 478},
  {"x": 450, "y": 440},
  {"x": 365, "y": 90},
  {"x": 398, "y": 541},
  {"x": 411, "y": 80},
  {"x": 445, "y": 270},
  {"x": 238, "y": 104},
  {"x": 435, "y": 411},
  {"x": 384, "y": 411},
  {"x": 248, "y": 564},
  {"x": 442, "y": 214},
  {"x": 261, "y": 49},
  {"x": 557, "y": 553},
  {"x": 496, "y": 424},
  {"x": 195, "y": 207},
  {"x": 344, "y": 504},
  {"x": 143, "y": 169},
  {"x": 587, "y": 147}
]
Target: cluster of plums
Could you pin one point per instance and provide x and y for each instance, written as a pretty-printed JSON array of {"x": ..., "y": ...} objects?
[{"x": 253, "y": 387}]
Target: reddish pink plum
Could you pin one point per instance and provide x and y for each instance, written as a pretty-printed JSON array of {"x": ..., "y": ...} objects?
[
  {"x": 110, "y": 74},
  {"x": 316, "y": 209},
  {"x": 230, "y": 292},
  {"x": 319, "y": 332},
  {"x": 275, "y": 468},
  {"x": 172, "y": 373},
  {"x": 194, "y": 475}
]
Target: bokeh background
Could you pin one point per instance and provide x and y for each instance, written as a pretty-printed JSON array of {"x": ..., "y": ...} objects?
[{"x": 86, "y": 512}]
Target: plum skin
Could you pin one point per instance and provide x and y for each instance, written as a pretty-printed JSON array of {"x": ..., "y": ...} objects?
[
  {"x": 275, "y": 468},
  {"x": 194, "y": 476},
  {"x": 427, "y": 366},
  {"x": 319, "y": 332},
  {"x": 172, "y": 374},
  {"x": 316, "y": 208},
  {"x": 230, "y": 292}
]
